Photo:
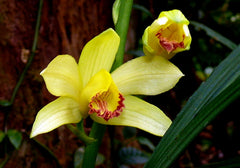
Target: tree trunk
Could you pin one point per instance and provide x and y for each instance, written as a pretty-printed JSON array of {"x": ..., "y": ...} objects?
[{"x": 66, "y": 26}]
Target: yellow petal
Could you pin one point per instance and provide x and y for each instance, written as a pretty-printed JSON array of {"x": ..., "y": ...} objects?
[
  {"x": 139, "y": 114},
  {"x": 102, "y": 96},
  {"x": 62, "y": 77},
  {"x": 99, "y": 53},
  {"x": 62, "y": 111},
  {"x": 150, "y": 44},
  {"x": 175, "y": 16},
  {"x": 146, "y": 75}
]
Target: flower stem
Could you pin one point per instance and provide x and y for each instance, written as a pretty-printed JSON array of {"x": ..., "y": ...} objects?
[
  {"x": 98, "y": 130},
  {"x": 81, "y": 134},
  {"x": 122, "y": 30},
  {"x": 91, "y": 150},
  {"x": 29, "y": 62}
]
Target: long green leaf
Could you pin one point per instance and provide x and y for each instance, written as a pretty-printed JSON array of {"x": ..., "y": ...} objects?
[
  {"x": 221, "y": 88},
  {"x": 225, "y": 41},
  {"x": 229, "y": 163}
]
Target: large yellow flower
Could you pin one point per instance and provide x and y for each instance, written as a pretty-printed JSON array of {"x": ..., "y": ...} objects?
[
  {"x": 87, "y": 88},
  {"x": 167, "y": 35}
]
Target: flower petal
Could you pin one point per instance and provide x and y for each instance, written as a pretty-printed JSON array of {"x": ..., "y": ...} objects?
[
  {"x": 150, "y": 43},
  {"x": 146, "y": 75},
  {"x": 62, "y": 111},
  {"x": 99, "y": 53},
  {"x": 175, "y": 16},
  {"x": 139, "y": 114},
  {"x": 62, "y": 77}
]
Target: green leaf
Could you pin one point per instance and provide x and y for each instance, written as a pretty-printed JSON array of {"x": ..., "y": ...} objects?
[
  {"x": 229, "y": 163},
  {"x": 142, "y": 9},
  {"x": 115, "y": 11},
  {"x": 147, "y": 142},
  {"x": 2, "y": 135},
  {"x": 78, "y": 157},
  {"x": 5, "y": 103},
  {"x": 15, "y": 137},
  {"x": 130, "y": 155},
  {"x": 225, "y": 41},
  {"x": 221, "y": 88},
  {"x": 100, "y": 159}
]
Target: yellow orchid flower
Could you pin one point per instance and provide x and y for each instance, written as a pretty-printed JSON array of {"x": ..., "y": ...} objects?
[
  {"x": 88, "y": 89},
  {"x": 167, "y": 35}
]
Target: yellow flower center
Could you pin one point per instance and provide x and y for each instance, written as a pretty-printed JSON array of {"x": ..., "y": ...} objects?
[
  {"x": 103, "y": 96},
  {"x": 107, "y": 104},
  {"x": 171, "y": 37}
]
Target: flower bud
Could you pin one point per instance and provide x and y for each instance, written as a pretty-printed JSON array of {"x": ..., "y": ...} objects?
[{"x": 167, "y": 35}]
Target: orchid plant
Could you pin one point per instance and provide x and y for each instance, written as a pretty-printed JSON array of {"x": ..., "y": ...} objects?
[
  {"x": 88, "y": 89},
  {"x": 101, "y": 87}
]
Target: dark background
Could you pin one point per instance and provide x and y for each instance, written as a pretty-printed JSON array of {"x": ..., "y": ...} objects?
[{"x": 66, "y": 25}]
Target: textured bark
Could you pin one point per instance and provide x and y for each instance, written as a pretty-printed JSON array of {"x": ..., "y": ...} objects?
[{"x": 66, "y": 25}]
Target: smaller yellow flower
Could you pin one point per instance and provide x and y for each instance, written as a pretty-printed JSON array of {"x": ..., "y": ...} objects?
[{"x": 167, "y": 35}]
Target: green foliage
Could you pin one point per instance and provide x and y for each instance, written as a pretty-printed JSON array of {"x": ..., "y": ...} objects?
[
  {"x": 145, "y": 141},
  {"x": 229, "y": 163},
  {"x": 115, "y": 11},
  {"x": 221, "y": 88},
  {"x": 215, "y": 35},
  {"x": 100, "y": 159},
  {"x": 15, "y": 137},
  {"x": 130, "y": 156},
  {"x": 214, "y": 95},
  {"x": 78, "y": 158},
  {"x": 2, "y": 135},
  {"x": 5, "y": 103},
  {"x": 3, "y": 162},
  {"x": 144, "y": 10},
  {"x": 81, "y": 134}
]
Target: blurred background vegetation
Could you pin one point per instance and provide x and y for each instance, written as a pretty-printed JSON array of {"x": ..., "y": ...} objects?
[{"x": 65, "y": 27}]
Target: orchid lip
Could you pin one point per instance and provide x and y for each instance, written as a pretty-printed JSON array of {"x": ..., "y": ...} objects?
[
  {"x": 169, "y": 45},
  {"x": 100, "y": 106}
]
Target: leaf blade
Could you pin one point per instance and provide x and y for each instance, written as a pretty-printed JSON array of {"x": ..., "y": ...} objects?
[
  {"x": 15, "y": 137},
  {"x": 206, "y": 103},
  {"x": 215, "y": 35}
]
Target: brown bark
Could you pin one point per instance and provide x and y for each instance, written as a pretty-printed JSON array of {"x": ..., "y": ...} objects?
[{"x": 66, "y": 25}]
